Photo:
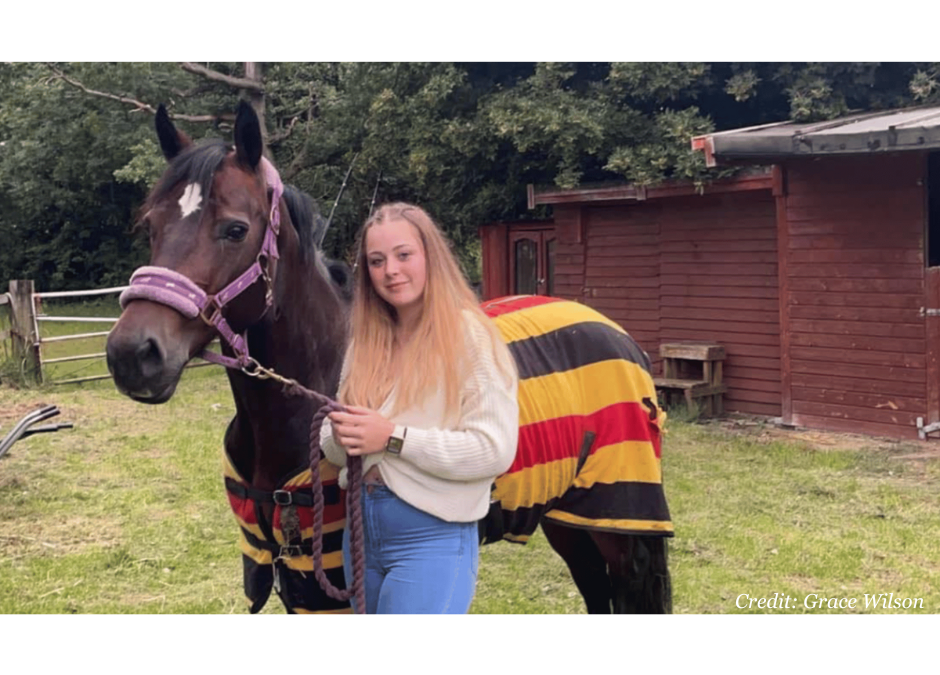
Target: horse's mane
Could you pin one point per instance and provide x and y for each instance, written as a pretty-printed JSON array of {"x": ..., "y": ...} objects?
[{"x": 306, "y": 218}]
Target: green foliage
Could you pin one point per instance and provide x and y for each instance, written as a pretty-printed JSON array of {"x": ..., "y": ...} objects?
[{"x": 462, "y": 139}]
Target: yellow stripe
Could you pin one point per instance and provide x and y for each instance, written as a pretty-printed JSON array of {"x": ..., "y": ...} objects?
[
  {"x": 254, "y": 529},
  {"x": 582, "y": 391},
  {"x": 633, "y": 461},
  {"x": 535, "y": 484},
  {"x": 259, "y": 555},
  {"x": 304, "y": 563},
  {"x": 228, "y": 469},
  {"x": 328, "y": 472},
  {"x": 611, "y": 523},
  {"x": 307, "y": 534},
  {"x": 546, "y": 318},
  {"x": 518, "y": 538},
  {"x": 628, "y": 461}
]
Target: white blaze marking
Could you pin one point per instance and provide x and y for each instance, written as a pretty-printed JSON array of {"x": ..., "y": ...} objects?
[{"x": 191, "y": 199}]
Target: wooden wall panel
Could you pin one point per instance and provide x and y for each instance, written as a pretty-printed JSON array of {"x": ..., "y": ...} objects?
[
  {"x": 719, "y": 282},
  {"x": 570, "y": 250},
  {"x": 855, "y": 272},
  {"x": 694, "y": 268},
  {"x": 622, "y": 268}
]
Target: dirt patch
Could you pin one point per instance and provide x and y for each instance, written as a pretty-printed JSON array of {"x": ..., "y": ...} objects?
[
  {"x": 59, "y": 537},
  {"x": 764, "y": 429},
  {"x": 14, "y": 413}
]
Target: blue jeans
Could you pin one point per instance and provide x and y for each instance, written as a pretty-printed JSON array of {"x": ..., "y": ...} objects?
[{"x": 416, "y": 563}]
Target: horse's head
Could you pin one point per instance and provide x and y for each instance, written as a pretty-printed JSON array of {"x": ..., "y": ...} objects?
[{"x": 207, "y": 218}]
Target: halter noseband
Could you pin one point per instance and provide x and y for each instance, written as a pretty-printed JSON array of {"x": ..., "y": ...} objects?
[{"x": 170, "y": 288}]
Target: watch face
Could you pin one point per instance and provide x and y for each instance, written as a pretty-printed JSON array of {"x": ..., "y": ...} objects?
[{"x": 394, "y": 445}]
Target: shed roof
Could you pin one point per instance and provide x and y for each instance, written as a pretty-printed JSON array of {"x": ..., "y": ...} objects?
[
  {"x": 754, "y": 178},
  {"x": 898, "y": 130}
]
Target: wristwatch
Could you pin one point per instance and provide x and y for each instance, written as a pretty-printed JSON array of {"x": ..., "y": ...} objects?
[{"x": 396, "y": 440}]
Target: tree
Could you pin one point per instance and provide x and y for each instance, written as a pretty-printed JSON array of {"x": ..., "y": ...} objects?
[{"x": 77, "y": 150}]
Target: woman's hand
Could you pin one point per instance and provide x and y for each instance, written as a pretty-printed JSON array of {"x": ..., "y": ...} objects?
[{"x": 360, "y": 430}]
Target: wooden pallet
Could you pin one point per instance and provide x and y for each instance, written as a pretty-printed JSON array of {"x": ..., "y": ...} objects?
[{"x": 693, "y": 371}]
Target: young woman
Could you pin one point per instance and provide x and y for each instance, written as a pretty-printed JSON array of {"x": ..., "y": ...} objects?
[{"x": 431, "y": 396}]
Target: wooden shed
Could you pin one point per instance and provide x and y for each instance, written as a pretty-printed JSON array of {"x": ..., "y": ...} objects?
[{"x": 820, "y": 274}]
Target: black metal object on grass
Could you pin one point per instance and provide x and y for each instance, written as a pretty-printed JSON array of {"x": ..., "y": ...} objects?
[{"x": 22, "y": 428}]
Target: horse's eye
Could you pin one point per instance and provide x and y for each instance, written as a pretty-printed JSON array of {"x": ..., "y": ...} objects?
[{"x": 236, "y": 231}]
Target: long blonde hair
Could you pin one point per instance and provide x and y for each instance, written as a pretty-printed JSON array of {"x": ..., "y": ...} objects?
[{"x": 434, "y": 357}]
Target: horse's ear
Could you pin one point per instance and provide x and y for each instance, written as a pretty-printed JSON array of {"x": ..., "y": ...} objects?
[
  {"x": 248, "y": 141},
  {"x": 172, "y": 140}
]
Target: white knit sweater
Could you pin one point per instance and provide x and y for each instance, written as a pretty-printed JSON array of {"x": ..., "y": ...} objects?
[{"x": 447, "y": 465}]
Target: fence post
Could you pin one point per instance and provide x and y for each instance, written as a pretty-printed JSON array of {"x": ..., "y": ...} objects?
[{"x": 23, "y": 330}]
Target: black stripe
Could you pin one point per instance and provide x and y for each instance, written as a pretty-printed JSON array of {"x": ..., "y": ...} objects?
[
  {"x": 332, "y": 542},
  {"x": 301, "y": 590},
  {"x": 518, "y": 522},
  {"x": 574, "y": 346},
  {"x": 619, "y": 501},
  {"x": 331, "y": 494}
]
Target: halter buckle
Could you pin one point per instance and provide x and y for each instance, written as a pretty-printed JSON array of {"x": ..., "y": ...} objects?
[
  {"x": 216, "y": 309},
  {"x": 283, "y": 497}
]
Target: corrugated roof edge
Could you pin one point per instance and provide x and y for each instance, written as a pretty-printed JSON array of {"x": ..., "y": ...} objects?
[
  {"x": 779, "y": 140},
  {"x": 757, "y": 178}
]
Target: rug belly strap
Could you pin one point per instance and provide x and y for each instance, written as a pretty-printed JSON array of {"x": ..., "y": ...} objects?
[{"x": 285, "y": 564}]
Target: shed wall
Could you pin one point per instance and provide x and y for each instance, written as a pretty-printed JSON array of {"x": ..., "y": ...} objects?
[
  {"x": 693, "y": 268},
  {"x": 855, "y": 284},
  {"x": 623, "y": 267},
  {"x": 718, "y": 282}
]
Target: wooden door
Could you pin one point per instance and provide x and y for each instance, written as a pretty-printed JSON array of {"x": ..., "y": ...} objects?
[{"x": 532, "y": 262}]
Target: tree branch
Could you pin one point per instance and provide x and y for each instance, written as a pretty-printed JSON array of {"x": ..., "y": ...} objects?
[
  {"x": 310, "y": 111},
  {"x": 139, "y": 105},
  {"x": 215, "y": 76},
  {"x": 274, "y": 139},
  {"x": 298, "y": 161}
]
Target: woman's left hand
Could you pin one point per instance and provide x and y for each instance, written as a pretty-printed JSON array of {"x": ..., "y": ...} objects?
[{"x": 361, "y": 431}]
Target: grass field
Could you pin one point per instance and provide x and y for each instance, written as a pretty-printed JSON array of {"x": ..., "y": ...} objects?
[{"x": 125, "y": 513}]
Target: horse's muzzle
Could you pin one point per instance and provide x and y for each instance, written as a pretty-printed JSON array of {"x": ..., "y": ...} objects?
[{"x": 141, "y": 369}]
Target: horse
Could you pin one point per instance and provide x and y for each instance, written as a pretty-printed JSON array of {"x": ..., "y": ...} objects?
[{"x": 223, "y": 265}]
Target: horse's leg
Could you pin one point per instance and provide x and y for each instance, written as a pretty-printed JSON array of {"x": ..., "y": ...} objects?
[
  {"x": 585, "y": 563},
  {"x": 639, "y": 573}
]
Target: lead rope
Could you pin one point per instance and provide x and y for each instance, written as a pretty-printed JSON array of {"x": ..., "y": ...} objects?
[{"x": 353, "y": 493}]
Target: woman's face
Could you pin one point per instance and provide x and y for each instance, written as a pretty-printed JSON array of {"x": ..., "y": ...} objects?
[{"x": 397, "y": 266}]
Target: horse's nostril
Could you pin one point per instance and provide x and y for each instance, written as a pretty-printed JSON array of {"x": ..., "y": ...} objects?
[{"x": 150, "y": 358}]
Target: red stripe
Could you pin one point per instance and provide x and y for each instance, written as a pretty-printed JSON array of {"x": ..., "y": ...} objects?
[
  {"x": 561, "y": 437},
  {"x": 497, "y": 306},
  {"x": 331, "y": 513},
  {"x": 245, "y": 508}
]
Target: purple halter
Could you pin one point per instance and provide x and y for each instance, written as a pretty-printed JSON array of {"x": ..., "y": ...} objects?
[{"x": 167, "y": 287}]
